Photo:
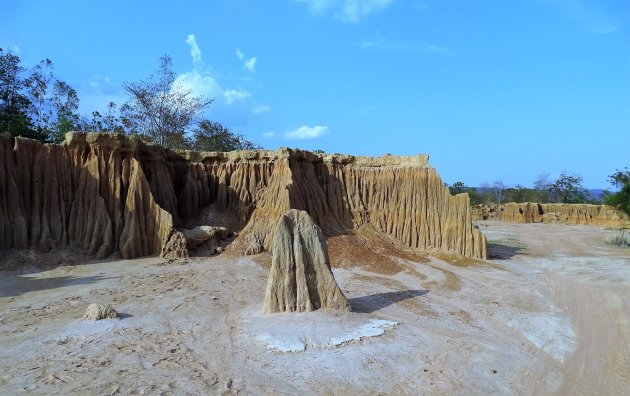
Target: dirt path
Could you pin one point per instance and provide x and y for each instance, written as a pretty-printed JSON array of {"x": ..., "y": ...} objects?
[{"x": 590, "y": 281}]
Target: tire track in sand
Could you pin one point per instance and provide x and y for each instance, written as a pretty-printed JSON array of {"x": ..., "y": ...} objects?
[{"x": 600, "y": 365}]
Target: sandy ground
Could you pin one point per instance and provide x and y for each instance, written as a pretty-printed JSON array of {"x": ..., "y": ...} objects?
[{"x": 548, "y": 314}]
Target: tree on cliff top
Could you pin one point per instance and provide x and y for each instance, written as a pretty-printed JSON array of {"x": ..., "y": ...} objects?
[
  {"x": 14, "y": 103},
  {"x": 212, "y": 136},
  {"x": 621, "y": 199},
  {"x": 568, "y": 188},
  {"x": 159, "y": 107},
  {"x": 38, "y": 105}
]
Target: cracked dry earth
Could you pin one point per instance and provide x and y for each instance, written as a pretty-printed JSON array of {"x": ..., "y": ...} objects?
[{"x": 548, "y": 314}]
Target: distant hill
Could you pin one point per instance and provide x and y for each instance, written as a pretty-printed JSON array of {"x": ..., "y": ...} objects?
[{"x": 596, "y": 193}]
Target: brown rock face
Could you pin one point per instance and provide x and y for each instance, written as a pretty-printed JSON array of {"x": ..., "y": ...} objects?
[
  {"x": 401, "y": 196},
  {"x": 111, "y": 193},
  {"x": 92, "y": 191},
  {"x": 300, "y": 279},
  {"x": 586, "y": 214}
]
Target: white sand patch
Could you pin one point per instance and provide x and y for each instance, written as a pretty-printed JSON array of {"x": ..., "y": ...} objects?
[
  {"x": 297, "y": 332},
  {"x": 551, "y": 333},
  {"x": 374, "y": 328}
]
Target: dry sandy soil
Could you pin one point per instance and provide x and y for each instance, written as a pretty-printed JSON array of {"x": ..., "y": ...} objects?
[{"x": 549, "y": 313}]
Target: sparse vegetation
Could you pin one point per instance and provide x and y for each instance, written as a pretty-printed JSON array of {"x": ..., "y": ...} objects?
[
  {"x": 568, "y": 188},
  {"x": 621, "y": 237}
]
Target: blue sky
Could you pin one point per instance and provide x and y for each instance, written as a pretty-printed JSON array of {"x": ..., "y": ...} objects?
[{"x": 491, "y": 90}]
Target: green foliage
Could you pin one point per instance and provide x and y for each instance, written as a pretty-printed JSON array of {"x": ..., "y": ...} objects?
[
  {"x": 522, "y": 194},
  {"x": 37, "y": 106},
  {"x": 568, "y": 188},
  {"x": 109, "y": 122},
  {"x": 212, "y": 136},
  {"x": 621, "y": 199},
  {"x": 14, "y": 104},
  {"x": 459, "y": 188}
]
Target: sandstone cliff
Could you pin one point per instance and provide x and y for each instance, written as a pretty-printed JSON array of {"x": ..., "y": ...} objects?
[
  {"x": 601, "y": 215},
  {"x": 111, "y": 193},
  {"x": 300, "y": 279}
]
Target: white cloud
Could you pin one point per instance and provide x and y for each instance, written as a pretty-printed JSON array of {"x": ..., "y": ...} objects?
[
  {"x": 195, "y": 52},
  {"x": 307, "y": 132},
  {"x": 233, "y": 96},
  {"x": 351, "y": 11},
  {"x": 15, "y": 49},
  {"x": 102, "y": 84},
  {"x": 402, "y": 46},
  {"x": 436, "y": 49},
  {"x": 261, "y": 109},
  {"x": 269, "y": 135},
  {"x": 239, "y": 54},
  {"x": 250, "y": 64},
  {"x": 201, "y": 82}
]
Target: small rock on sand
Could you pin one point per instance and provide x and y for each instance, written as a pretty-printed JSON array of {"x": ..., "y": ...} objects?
[{"x": 99, "y": 311}]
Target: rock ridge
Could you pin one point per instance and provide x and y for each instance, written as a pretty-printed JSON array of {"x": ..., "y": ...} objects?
[
  {"x": 109, "y": 193},
  {"x": 528, "y": 212}
]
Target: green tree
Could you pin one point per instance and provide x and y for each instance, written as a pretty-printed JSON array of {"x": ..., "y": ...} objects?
[
  {"x": 14, "y": 104},
  {"x": 521, "y": 194},
  {"x": 65, "y": 103},
  {"x": 459, "y": 188},
  {"x": 621, "y": 199},
  {"x": 53, "y": 103},
  {"x": 568, "y": 188},
  {"x": 38, "y": 86},
  {"x": 160, "y": 108},
  {"x": 109, "y": 122},
  {"x": 212, "y": 136}
]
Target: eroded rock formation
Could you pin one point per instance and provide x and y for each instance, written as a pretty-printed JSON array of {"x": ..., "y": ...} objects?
[
  {"x": 586, "y": 214},
  {"x": 110, "y": 193},
  {"x": 300, "y": 279}
]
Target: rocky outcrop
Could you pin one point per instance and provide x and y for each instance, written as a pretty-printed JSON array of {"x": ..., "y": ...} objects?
[
  {"x": 401, "y": 196},
  {"x": 300, "y": 279},
  {"x": 586, "y": 214},
  {"x": 175, "y": 247},
  {"x": 115, "y": 194}
]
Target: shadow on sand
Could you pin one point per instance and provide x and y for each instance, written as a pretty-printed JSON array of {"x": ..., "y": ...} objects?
[
  {"x": 15, "y": 285},
  {"x": 499, "y": 251},
  {"x": 375, "y": 302}
]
